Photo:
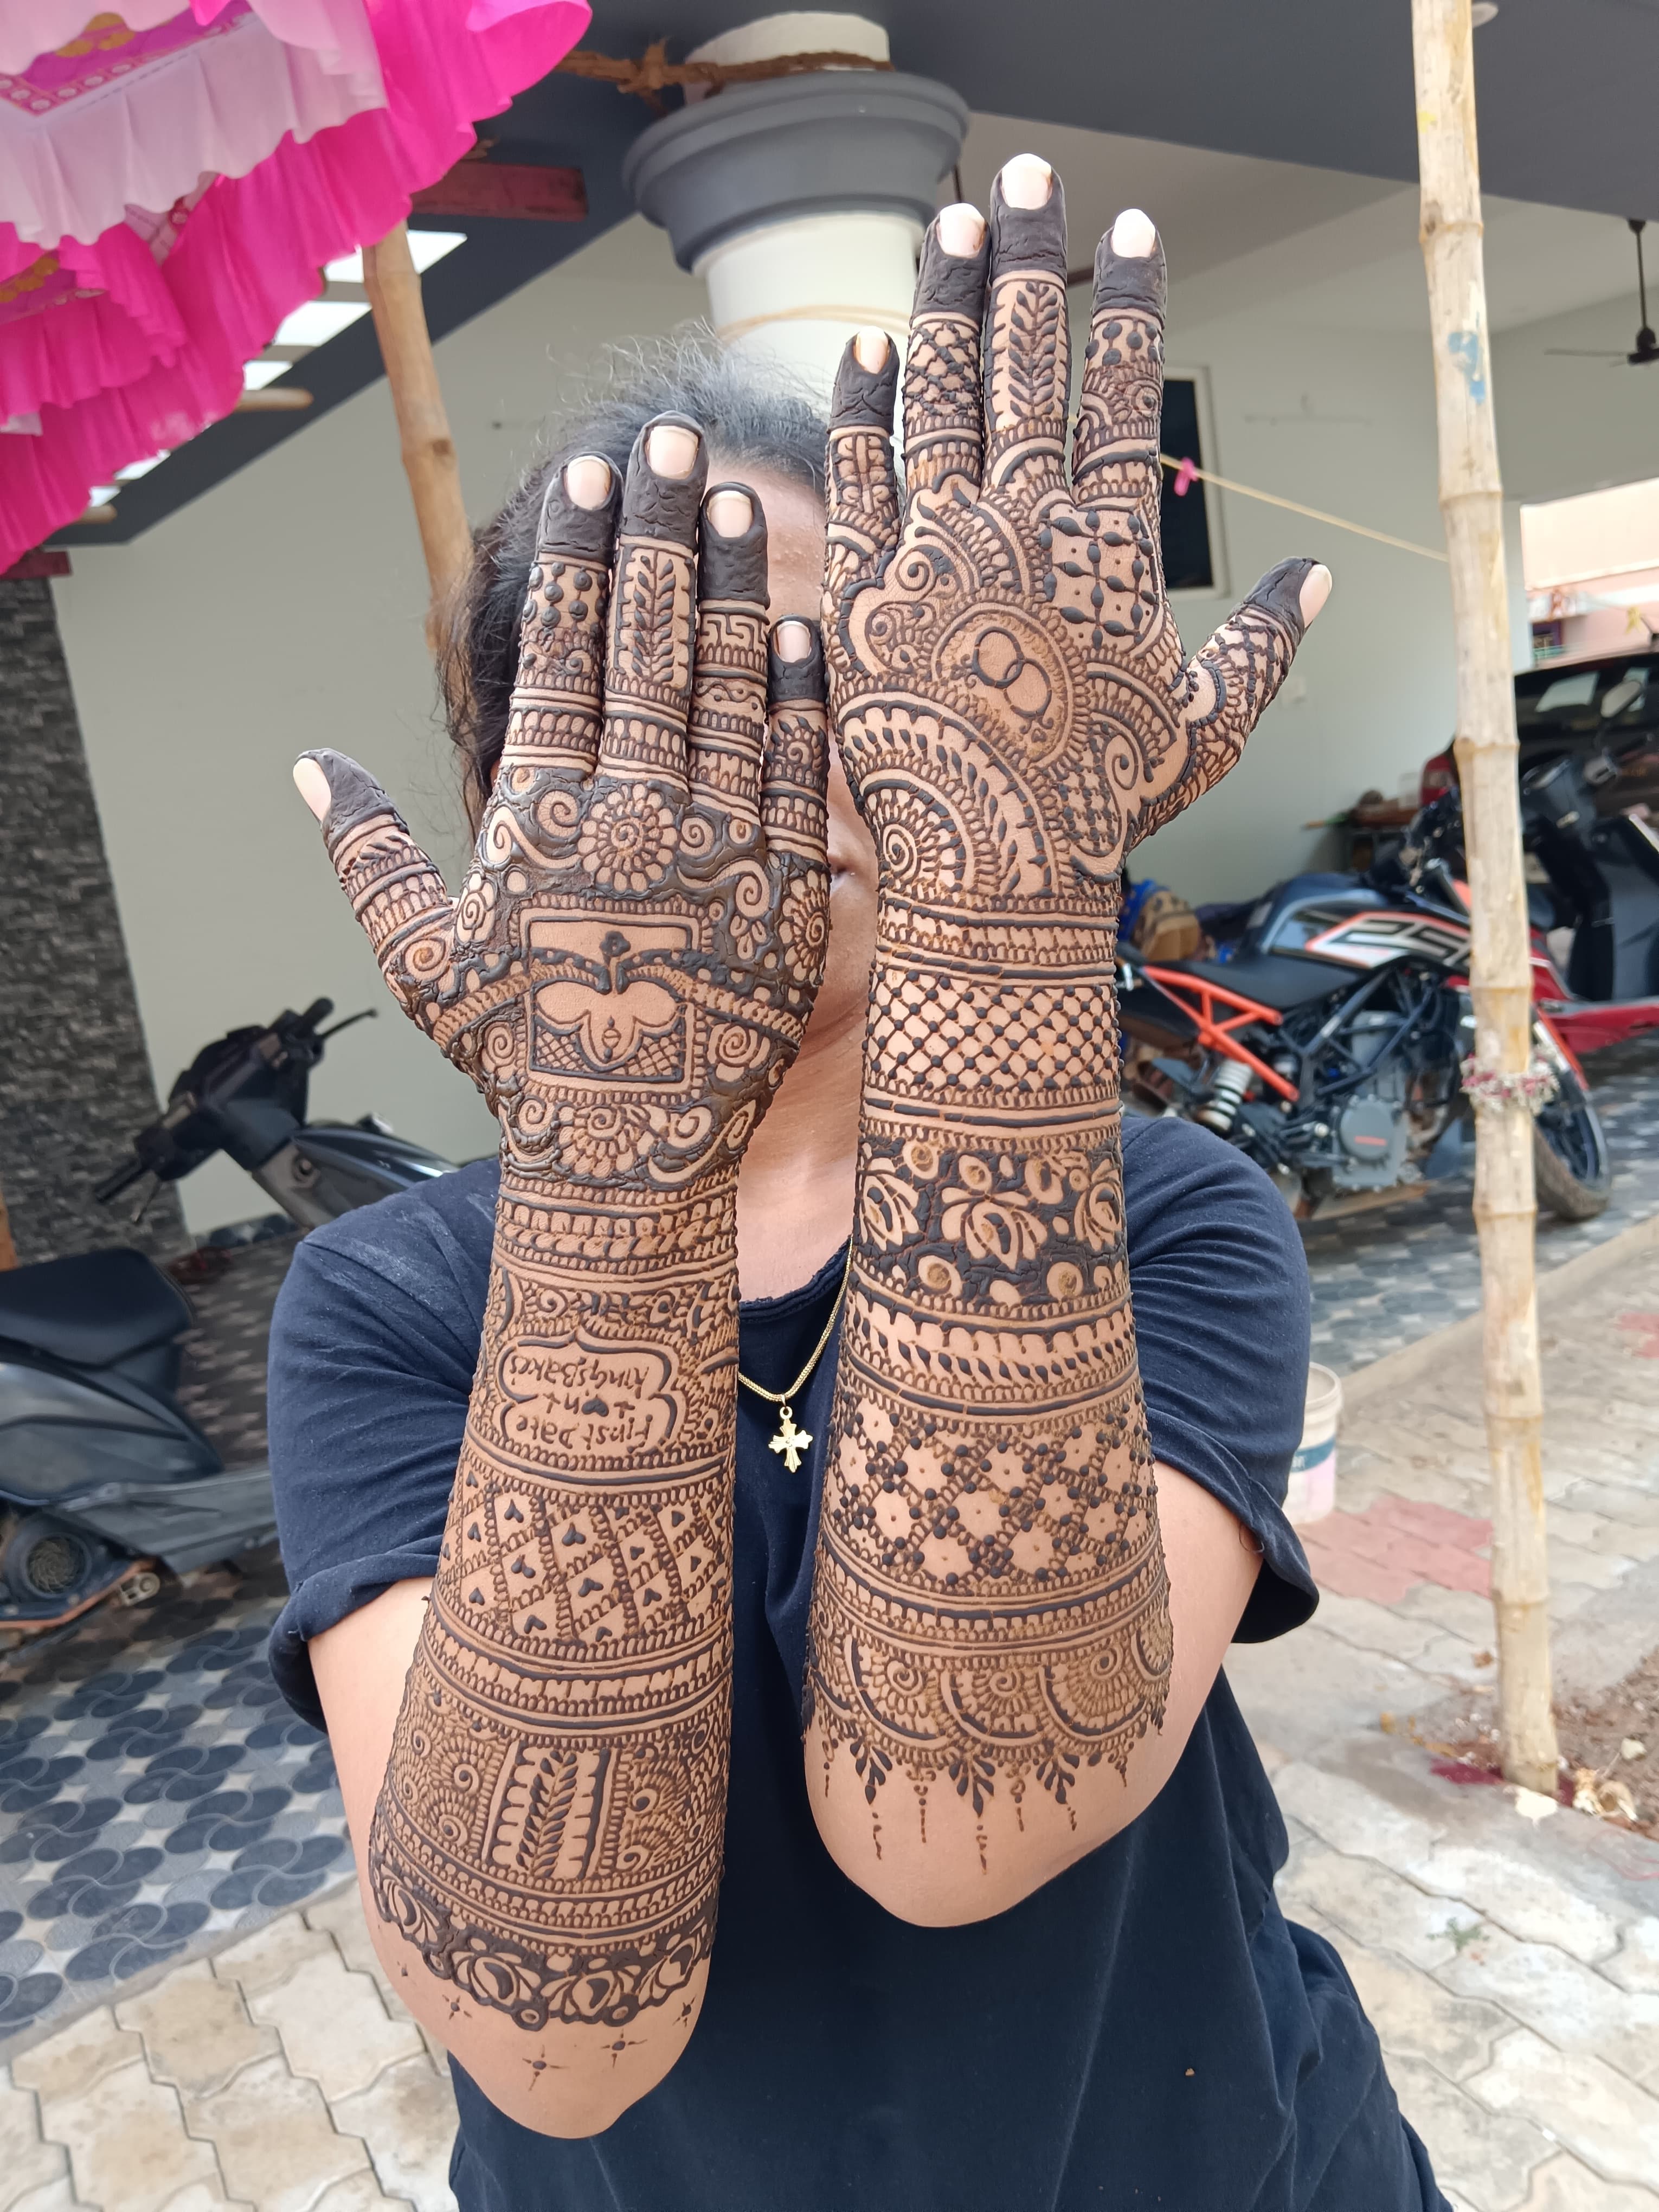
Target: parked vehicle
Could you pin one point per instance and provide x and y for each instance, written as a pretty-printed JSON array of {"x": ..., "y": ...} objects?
[
  {"x": 103, "y": 1479},
  {"x": 1329, "y": 1044},
  {"x": 1589, "y": 800},
  {"x": 245, "y": 1096}
]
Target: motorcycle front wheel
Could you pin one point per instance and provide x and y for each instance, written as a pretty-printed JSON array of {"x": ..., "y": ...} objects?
[{"x": 1570, "y": 1164}]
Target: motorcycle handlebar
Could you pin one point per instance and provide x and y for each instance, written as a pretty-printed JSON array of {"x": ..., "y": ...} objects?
[{"x": 121, "y": 1179}]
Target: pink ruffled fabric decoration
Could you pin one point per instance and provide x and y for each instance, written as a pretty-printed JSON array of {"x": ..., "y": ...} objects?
[
  {"x": 136, "y": 118},
  {"x": 336, "y": 30},
  {"x": 135, "y": 342}
]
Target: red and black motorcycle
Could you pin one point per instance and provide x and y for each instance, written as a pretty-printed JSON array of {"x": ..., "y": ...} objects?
[{"x": 1327, "y": 1039}]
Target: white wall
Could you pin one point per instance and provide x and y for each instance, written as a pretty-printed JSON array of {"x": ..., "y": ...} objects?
[
  {"x": 1342, "y": 420},
  {"x": 1568, "y": 423},
  {"x": 284, "y": 610}
]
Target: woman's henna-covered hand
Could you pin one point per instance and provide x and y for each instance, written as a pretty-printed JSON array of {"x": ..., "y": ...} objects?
[
  {"x": 626, "y": 974},
  {"x": 1013, "y": 710}
]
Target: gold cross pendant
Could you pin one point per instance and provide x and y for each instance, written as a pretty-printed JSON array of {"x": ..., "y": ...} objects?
[{"x": 789, "y": 1440}]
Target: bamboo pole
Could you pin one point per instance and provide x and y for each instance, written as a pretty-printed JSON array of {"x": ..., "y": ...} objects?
[
  {"x": 1471, "y": 502},
  {"x": 393, "y": 285}
]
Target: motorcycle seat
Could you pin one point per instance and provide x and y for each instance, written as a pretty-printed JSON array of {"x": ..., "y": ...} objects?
[
  {"x": 1276, "y": 980},
  {"x": 92, "y": 1308}
]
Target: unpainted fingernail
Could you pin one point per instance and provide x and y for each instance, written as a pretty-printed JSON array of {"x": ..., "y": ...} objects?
[
  {"x": 1027, "y": 181},
  {"x": 960, "y": 229},
  {"x": 672, "y": 450},
  {"x": 587, "y": 480},
  {"x": 869, "y": 350},
  {"x": 312, "y": 787},
  {"x": 1133, "y": 234},
  {"x": 794, "y": 640},
  {"x": 1315, "y": 590},
  {"x": 730, "y": 513}
]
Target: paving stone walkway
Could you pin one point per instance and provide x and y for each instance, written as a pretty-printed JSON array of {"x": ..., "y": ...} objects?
[
  {"x": 1512, "y": 1965},
  {"x": 279, "y": 2075},
  {"x": 1383, "y": 1279}
]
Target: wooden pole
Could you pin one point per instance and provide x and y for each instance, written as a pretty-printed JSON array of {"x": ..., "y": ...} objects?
[
  {"x": 393, "y": 285},
  {"x": 1471, "y": 502}
]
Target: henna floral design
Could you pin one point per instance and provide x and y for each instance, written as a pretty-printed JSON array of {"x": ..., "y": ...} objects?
[
  {"x": 626, "y": 841},
  {"x": 626, "y": 974},
  {"x": 1014, "y": 710}
]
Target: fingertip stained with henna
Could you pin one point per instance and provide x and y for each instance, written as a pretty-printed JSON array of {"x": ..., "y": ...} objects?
[
  {"x": 1027, "y": 181},
  {"x": 312, "y": 784}
]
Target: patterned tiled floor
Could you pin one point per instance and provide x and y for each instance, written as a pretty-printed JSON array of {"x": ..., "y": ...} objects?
[
  {"x": 1383, "y": 1279},
  {"x": 155, "y": 1796}
]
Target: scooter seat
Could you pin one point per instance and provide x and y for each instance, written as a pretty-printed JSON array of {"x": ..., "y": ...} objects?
[
  {"x": 1279, "y": 981},
  {"x": 92, "y": 1308}
]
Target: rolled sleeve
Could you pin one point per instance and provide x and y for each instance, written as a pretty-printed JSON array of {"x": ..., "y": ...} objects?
[
  {"x": 373, "y": 1347},
  {"x": 1222, "y": 1309}
]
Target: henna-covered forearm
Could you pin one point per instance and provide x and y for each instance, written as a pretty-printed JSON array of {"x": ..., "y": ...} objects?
[
  {"x": 548, "y": 1832},
  {"x": 991, "y": 1621},
  {"x": 990, "y": 1610}
]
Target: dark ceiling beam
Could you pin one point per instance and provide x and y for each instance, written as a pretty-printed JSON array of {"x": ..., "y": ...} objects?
[{"x": 534, "y": 192}]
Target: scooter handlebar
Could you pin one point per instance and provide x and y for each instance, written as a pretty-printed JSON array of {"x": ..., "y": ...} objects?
[{"x": 121, "y": 1179}]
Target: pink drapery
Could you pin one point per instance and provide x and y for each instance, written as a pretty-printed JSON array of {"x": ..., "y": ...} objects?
[{"x": 133, "y": 340}]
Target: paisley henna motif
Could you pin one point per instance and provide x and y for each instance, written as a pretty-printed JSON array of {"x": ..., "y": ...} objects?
[
  {"x": 1014, "y": 711},
  {"x": 626, "y": 974}
]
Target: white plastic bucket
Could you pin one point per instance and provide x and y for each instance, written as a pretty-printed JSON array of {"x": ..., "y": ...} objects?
[{"x": 1311, "y": 1492}]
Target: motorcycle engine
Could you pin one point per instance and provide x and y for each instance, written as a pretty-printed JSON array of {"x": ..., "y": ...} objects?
[{"x": 1372, "y": 1133}]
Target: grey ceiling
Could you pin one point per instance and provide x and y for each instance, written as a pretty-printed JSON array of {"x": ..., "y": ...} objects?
[{"x": 1567, "y": 88}]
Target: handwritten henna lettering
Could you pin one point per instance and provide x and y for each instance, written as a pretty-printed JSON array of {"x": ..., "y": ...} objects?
[{"x": 581, "y": 1400}]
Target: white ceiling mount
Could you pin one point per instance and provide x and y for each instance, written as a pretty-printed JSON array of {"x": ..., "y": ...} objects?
[
  {"x": 802, "y": 31},
  {"x": 801, "y": 199}
]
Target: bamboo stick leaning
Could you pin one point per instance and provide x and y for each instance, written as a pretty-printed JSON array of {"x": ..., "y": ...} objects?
[
  {"x": 393, "y": 285},
  {"x": 1471, "y": 503}
]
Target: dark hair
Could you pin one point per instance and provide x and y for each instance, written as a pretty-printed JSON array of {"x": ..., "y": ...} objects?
[{"x": 749, "y": 417}]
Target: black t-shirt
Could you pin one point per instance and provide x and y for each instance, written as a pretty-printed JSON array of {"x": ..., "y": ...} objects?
[{"x": 1146, "y": 2030}]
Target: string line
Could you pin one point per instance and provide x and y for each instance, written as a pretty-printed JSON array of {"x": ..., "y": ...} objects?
[{"x": 1295, "y": 507}]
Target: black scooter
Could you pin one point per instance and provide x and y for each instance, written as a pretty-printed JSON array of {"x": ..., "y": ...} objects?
[{"x": 103, "y": 1480}]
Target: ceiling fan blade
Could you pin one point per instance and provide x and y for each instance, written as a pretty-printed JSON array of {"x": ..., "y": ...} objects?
[{"x": 1583, "y": 353}]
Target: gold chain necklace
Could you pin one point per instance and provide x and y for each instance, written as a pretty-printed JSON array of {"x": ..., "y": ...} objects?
[{"x": 790, "y": 1440}]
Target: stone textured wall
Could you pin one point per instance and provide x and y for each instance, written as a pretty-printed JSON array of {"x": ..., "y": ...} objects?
[{"x": 74, "y": 1079}]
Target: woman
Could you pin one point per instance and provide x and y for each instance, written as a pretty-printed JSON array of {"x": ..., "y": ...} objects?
[{"x": 576, "y": 1541}]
